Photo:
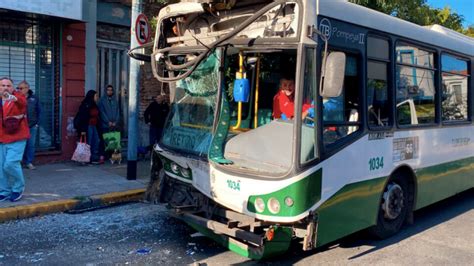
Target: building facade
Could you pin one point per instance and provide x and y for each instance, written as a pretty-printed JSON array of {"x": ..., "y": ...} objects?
[{"x": 63, "y": 49}]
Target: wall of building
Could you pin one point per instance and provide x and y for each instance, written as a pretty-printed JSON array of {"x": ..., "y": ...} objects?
[
  {"x": 113, "y": 33},
  {"x": 72, "y": 93},
  {"x": 73, "y": 78}
]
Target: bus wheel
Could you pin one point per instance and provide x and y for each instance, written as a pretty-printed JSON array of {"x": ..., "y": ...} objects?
[{"x": 393, "y": 208}]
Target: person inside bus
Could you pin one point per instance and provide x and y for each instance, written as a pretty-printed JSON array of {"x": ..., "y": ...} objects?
[{"x": 284, "y": 100}]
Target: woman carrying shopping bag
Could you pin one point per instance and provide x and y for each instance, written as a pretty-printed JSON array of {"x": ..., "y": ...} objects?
[
  {"x": 82, "y": 153},
  {"x": 86, "y": 123}
]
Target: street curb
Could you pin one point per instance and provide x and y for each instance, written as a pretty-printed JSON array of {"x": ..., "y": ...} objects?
[{"x": 28, "y": 211}]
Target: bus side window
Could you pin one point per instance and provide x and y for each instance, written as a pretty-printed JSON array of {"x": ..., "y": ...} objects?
[
  {"x": 341, "y": 114},
  {"x": 416, "y": 90},
  {"x": 378, "y": 104},
  {"x": 455, "y": 88}
]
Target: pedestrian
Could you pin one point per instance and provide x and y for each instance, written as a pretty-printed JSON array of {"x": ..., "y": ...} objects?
[
  {"x": 109, "y": 111},
  {"x": 109, "y": 117},
  {"x": 155, "y": 116},
  {"x": 86, "y": 122},
  {"x": 14, "y": 133},
  {"x": 33, "y": 117}
]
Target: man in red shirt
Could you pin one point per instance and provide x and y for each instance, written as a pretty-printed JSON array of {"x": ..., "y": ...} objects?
[
  {"x": 284, "y": 100},
  {"x": 14, "y": 132}
]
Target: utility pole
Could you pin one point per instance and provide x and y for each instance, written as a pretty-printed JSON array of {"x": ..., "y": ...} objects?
[
  {"x": 91, "y": 46},
  {"x": 133, "y": 97}
]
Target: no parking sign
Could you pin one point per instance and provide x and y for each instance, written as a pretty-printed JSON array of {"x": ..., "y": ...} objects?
[{"x": 142, "y": 29}]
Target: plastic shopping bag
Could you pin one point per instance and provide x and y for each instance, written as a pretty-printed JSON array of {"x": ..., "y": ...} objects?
[
  {"x": 112, "y": 140},
  {"x": 82, "y": 154}
]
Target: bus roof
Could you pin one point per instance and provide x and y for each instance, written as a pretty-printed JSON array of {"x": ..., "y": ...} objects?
[{"x": 359, "y": 15}]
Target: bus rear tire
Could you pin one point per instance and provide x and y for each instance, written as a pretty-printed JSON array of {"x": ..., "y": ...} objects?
[{"x": 394, "y": 207}]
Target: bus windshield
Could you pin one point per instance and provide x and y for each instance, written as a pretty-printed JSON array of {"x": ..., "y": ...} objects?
[
  {"x": 190, "y": 43},
  {"x": 193, "y": 107}
]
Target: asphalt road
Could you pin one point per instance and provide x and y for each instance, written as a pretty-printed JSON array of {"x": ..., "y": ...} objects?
[{"x": 142, "y": 234}]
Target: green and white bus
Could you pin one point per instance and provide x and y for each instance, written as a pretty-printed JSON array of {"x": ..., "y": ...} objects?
[{"x": 390, "y": 130}]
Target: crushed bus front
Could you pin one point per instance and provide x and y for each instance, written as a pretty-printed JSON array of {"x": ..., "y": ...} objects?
[{"x": 224, "y": 61}]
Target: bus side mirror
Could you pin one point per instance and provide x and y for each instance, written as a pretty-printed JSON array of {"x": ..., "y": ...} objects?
[{"x": 333, "y": 75}]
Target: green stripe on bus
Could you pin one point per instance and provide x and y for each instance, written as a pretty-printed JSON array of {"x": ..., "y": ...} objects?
[
  {"x": 438, "y": 182},
  {"x": 355, "y": 206},
  {"x": 351, "y": 209},
  {"x": 304, "y": 194}
]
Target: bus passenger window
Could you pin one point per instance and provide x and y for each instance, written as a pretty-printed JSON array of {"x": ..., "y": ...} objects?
[
  {"x": 378, "y": 104},
  {"x": 341, "y": 114},
  {"x": 455, "y": 76},
  {"x": 415, "y": 85}
]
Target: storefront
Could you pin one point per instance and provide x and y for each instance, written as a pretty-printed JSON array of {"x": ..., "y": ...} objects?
[
  {"x": 29, "y": 50},
  {"x": 62, "y": 49}
]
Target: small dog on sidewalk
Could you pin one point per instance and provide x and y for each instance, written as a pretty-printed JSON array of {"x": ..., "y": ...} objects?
[{"x": 116, "y": 157}]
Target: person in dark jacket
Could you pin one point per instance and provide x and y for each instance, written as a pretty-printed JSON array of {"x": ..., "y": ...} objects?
[
  {"x": 155, "y": 116},
  {"x": 87, "y": 121},
  {"x": 109, "y": 111},
  {"x": 33, "y": 116}
]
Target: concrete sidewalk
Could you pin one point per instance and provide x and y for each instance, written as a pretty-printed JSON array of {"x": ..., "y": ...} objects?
[{"x": 69, "y": 186}]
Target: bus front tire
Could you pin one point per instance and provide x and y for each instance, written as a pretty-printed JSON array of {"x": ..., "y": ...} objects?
[{"x": 394, "y": 207}]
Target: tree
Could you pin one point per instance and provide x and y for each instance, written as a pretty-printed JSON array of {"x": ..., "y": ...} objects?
[
  {"x": 469, "y": 31},
  {"x": 418, "y": 12},
  {"x": 447, "y": 18}
]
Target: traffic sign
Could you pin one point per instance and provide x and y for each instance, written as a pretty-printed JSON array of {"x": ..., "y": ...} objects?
[{"x": 142, "y": 29}]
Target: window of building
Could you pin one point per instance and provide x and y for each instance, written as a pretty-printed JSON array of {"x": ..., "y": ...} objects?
[
  {"x": 415, "y": 78},
  {"x": 28, "y": 51},
  {"x": 454, "y": 88},
  {"x": 378, "y": 104}
]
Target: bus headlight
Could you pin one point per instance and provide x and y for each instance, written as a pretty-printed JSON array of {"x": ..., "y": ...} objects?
[
  {"x": 186, "y": 172},
  {"x": 259, "y": 205},
  {"x": 289, "y": 201},
  {"x": 175, "y": 168},
  {"x": 273, "y": 205}
]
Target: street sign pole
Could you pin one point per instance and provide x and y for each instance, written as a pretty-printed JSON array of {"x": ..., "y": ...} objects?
[{"x": 133, "y": 97}]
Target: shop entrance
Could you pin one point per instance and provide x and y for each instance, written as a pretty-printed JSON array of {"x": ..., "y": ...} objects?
[{"x": 113, "y": 68}]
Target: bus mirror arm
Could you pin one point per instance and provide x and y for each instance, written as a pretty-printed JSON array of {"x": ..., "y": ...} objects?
[
  {"x": 140, "y": 56},
  {"x": 332, "y": 69}
]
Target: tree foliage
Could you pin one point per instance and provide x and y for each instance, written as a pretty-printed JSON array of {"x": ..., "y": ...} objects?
[
  {"x": 469, "y": 31},
  {"x": 419, "y": 12}
]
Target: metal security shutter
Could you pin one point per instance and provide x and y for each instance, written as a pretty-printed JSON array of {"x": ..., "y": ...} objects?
[
  {"x": 113, "y": 66},
  {"x": 28, "y": 52}
]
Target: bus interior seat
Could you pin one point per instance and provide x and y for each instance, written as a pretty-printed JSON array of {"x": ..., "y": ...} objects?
[
  {"x": 376, "y": 113},
  {"x": 264, "y": 117},
  {"x": 353, "y": 117}
]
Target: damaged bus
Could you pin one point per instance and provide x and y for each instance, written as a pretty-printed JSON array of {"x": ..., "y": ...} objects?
[{"x": 381, "y": 124}]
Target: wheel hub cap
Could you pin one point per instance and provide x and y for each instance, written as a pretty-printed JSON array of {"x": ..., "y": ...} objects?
[{"x": 393, "y": 201}]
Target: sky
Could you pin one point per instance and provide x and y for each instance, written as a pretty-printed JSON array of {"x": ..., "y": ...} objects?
[{"x": 462, "y": 7}]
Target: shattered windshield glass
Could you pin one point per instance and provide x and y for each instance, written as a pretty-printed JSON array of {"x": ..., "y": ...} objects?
[{"x": 194, "y": 100}]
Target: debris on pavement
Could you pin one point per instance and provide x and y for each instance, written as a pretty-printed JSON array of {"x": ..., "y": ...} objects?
[
  {"x": 197, "y": 234},
  {"x": 143, "y": 251}
]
